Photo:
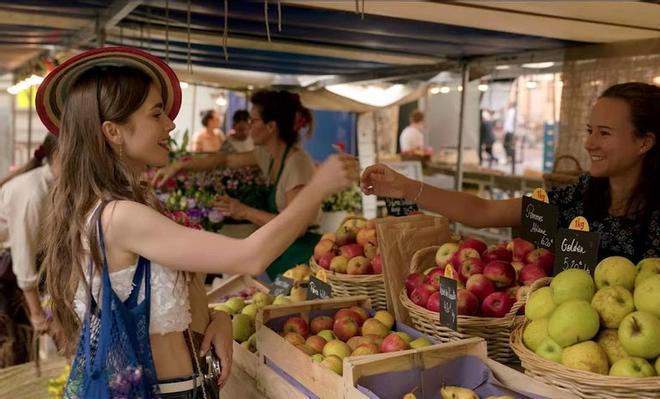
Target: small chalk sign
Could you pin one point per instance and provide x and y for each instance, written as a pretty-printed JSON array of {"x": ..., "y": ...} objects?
[
  {"x": 539, "y": 222},
  {"x": 281, "y": 286},
  {"x": 448, "y": 307},
  {"x": 576, "y": 249},
  {"x": 318, "y": 289},
  {"x": 400, "y": 207}
]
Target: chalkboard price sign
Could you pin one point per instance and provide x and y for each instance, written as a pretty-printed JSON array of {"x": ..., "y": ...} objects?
[
  {"x": 317, "y": 289},
  {"x": 448, "y": 307},
  {"x": 281, "y": 286},
  {"x": 400, "y": 207},
  {"x": 539, "y": 222},
  {"x": 576, "y": 250}
]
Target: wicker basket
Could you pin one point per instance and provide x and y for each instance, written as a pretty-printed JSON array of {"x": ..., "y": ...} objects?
[
  {"x": 562, "y": 178},
  {"x": 496, "y": 331},
  {"x": 371, "y": 285}
]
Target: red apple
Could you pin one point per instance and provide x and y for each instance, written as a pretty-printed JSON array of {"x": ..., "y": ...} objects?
[
  {"x": 543, "y": 258},
  {"x": 350, "y": 251},
  {"x": 420, "y": 295},
  {"x": 297, "y": 325},
  {"x": 497, "y": 304},
  {"x": 317, "y": 343},
  {"x": 370, "y": 250},
  {"x": 294, "y": 338},
  {"x": 344, "y": 235},
  {"x": 393, "y": 343},
  {"x": 496, "y": 252},
  {"x": 357, "y": 340},
  {"x": 366, "y": 235},
  {"x": 365, "y": 349},
  {"x": 325, "y": 260},
  {"x": 324, "y": 247},
  {"x": 502, "y": 274},
  {"x": 344, "y": 329},
  {"x": 474, "y": 243},
  {"x": 433, "y": 277},
  {"x": 480, "y": 286},
  {"x": 377, "y": 264},
  {"x": 413, "y": 281},
  {"x": 360, "y": 312},
  {"x": 520, "y": 248},
  {"x": 433, "y": 303},
  {"x": 375, "y": 339},
  {"x": 358, "y": 265},
  {"x": 347, "y": 313},
  {"x": 373, "y": 327},
  {"x": 466, "y": 302},
  {"x": 320, "y": 323},
  {"x": 531, "y": 273},
  {"x": 464, "y": 254},
  {"x": 470, "y": 267},
  {"x": 329, "y": 236}
]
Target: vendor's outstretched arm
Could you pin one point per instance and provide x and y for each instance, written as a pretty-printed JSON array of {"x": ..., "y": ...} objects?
[{"x": 204, "y": 163}]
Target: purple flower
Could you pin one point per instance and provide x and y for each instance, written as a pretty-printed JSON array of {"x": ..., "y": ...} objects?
[
  {"x": 215, "y": 216},
  {"x": 194, "y": 214},
  {"x": 191, "y": 203}
]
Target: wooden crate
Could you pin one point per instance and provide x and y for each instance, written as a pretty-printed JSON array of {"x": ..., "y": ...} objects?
[
  {"x": 432, "y": 356},
  {"x": 231, "y": 285}
]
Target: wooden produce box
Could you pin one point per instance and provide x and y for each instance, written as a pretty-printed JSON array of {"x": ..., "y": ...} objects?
[
  {"x": 312, "y": 379},
  {"x": 432, "y": 356}
]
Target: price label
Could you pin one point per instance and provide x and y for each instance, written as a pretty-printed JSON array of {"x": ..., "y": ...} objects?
[
  {"x": 448, "y": 307},
  {"x": 539, "y": 222},
  {"x": 318, "y": 289},
  {"x": 579, "y": 223},
  {"x": 400, "y": 207},
  {"x": 539, "y": 194},
  {"x": 281, "y": 286},
  {"x": 576, "y": 249}
]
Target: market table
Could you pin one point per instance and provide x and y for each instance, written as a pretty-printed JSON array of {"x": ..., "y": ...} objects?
[{"x": 22, "y": 382}]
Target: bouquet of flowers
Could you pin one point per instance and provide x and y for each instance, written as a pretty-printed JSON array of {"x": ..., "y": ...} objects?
[{"x": 347, "y": 200}]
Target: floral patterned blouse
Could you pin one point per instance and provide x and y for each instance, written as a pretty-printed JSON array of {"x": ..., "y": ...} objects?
[{"x": 617, "y": 233}]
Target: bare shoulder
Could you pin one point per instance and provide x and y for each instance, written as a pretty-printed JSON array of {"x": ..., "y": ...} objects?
[{"x": 124, "y": 215}]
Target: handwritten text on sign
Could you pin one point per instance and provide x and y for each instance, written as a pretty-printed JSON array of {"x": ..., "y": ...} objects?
[
  {"x": 448, "y": 307},
  {"x": 317, "y": 289},
  {"x": 281, "y": 286},
  {"x": 539, "y": 222},
  {"x": 576, "y": 250}
]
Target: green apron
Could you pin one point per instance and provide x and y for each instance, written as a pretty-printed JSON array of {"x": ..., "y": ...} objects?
[{"x": 301, "y": 249}]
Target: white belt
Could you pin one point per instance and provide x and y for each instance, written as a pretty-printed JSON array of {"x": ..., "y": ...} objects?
[{"x": 181, "y": 386}]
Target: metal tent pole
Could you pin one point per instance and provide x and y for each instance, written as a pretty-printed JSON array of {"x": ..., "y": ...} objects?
[{"x": 458, "y": 181}]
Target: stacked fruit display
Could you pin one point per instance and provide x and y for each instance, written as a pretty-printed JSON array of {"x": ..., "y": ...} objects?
[
  {"x": 352, "y": 249},
  {"x": 609, "y": 324},
  {"x": 351, "y": 332},
  {"x": 453, "y": 392},
  {"x": 490, "y": 278}
]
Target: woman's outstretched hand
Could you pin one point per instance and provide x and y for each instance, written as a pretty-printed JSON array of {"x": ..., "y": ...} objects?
[
  {"x": 165, "y": 173},
  {"x": 382, "y": 181}
]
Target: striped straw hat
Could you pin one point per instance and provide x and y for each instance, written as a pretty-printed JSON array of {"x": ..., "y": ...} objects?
[{"x": 53, "y": 91}]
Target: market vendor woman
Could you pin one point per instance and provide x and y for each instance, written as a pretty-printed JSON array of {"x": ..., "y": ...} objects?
[
  {"x": 276, "y": 120},
  {"x": 620, "y": 197}
]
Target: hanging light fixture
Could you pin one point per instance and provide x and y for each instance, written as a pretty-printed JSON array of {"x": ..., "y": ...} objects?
[
  {"x": 445, "y": 89},
  {"x": 434, "y": 90},
  {"x": 482, "y": 87}
]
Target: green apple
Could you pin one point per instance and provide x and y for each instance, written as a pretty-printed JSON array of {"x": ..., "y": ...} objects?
[
  {"x": 639, "y": 334},
  {"x": 242, "y": 327},
  {"x": 647, "y": 270},
  {"x": 281, "y": 300},
  {"x": 420, "y": 343},
  {"x": 609, "y": 341},
  {"x": 648, "y": 262},
  {"x": 657, "y": 365},
  {"x": 318, "y": 358},
  {"x": 549, "y": 349},
  {"x": 572, "y": 284},
  {"x": 613, "y": 304},
  {"x": 236, "y": 304},
  {"x": 615, "y": 270},
  {"x": 587, "y": 356},
  {"x": 250, "y": 310},
  {"x": 262, "y": 299},
  {"x": 333, "y": 363},
  {"x": 540, "y": 304},
  {"x": 573, "y": 321},
  {"x": 632, "y": 367},
  {"x": 337, "y": 348},
  {"x": 328, "y": 335},
  {"x": 647, "y": 295},
  {"x": 535, "y": 332}
]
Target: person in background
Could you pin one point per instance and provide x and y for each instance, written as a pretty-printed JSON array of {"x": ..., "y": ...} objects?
[
  {"x": 620, "y": 197},
  {"x": 239, "y": 139},
  {"x": 209, "y": 138},
  {"x": 510, "y": 120},
  {"x": 486, "y": 137},
  {"x": 412, "y": 137},
  {"x": 23, "y": 196}
]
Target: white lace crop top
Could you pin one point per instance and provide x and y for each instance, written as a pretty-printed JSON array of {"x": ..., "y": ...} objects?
[{"x": 170, "y": 304}]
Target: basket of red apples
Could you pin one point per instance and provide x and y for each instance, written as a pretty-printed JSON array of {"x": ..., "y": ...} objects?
[
  {"x": 352, "y": 261},
  {"x": 493, "y": 283}
]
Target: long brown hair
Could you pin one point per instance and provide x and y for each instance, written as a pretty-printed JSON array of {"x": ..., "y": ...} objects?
[
  {"x": 90, "y": 171},
  {"x": 45, "y": 151}
]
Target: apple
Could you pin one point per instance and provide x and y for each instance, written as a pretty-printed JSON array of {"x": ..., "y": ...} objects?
[
  {"x": 647, "y": 268},
  {"x": 337, "y": 348},
  {"x": 444, "y": 253},
  {"x": 262, "y": 299},
  {"x": 612, "y": 303},
  {"x": 374, "y": 339},
  {"x": 324, "y": 247},
  {"x": 648, "y": 262},
  {"x": 339, "y": 264},
  {"x": 647, "y": 295},
  {"x": 511, "y": 291},
  {"x": 235, "y": 304},
  {"x": 535, "y": 333},
  {"x": 587, "y": 356},
  {"x": 347, "y": 313},
  {"x": 433, "y": 277},
  {"x": 470, "y": 267},
  {"x": 296, "y": 324},
  {"x": 366, "y": 236},
  {"x": 317, "y": 358},
  {"x": 327, "y": 335},
  {"x": 543, "y": 258},
  {"x": 377, "y": 264},
  {"x": 393, "y": 343},
  {"x": 420, "y": 342},
  {"x": 317, "y": 343},
  {"x": 540, "y": 304},
  {"x": 519, "y": 248},
  {"x": 358, "y": 340},
  {"x": 360, "y": 311},
  {"x": 333, "y": 363},
  {"x": 242, "y": 327},
  {"x": 344, "y": 235},
  {"x": 632, "y": 367},
  {"x": 572, "y": 322},
  {"x": 250, "y": 310},
  {"x": 467, "y": 303},
  {"x": 385, "y": 317},
  {"x": 496, "y": 304},
  {"x": 608, "y": 339},
  {"x": 403, "y": 335},
  {"x": 374, "y": 327},
  {"x": 325, "y": 260},
  {"x": 281, "y": 300},
  {"x": 365, "y": 349},
  {"x": 615, "y": 270},
  {"x": 358, "y": 265},
  {"x": 306, "y": 348},
  {"x": 329, "y": 236},
  {"x": 345, "y": 329},
  {"x": 320, "y": 323},
  {"x": 530, "y": 273},
  {"x": 639, "y": 333},
  {"x": 370, "y": 250},
  {"x": 502, "y": 274},
  {"x": 480, "y": 286},
  {"x": 464, "y": 254},
  {"x": 350, "y": 251},
  {"x": 473, "y": 243},
  {"x": 517, "y": 265},
  {"x": 572, "y": 284},
  {"x": 223, "y": 308},
  {"x": 657, "y": 365},
  {"x": 420, "y": 295},
  {"x": 549, "y": 349},
  {"x": 496, "y": 252},
  {"x": 413, "y": 281},
  {"x": 433, "y": 303}
]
